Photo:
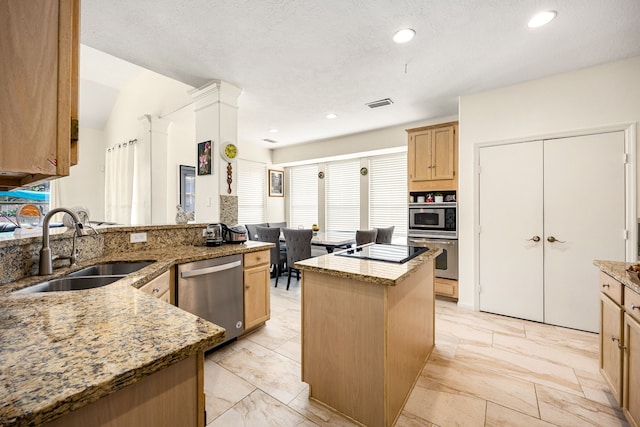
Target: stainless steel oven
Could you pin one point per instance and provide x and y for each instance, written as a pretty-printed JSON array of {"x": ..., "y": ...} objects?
[
  {"x": 447, "y": 261},
  {"x": 439, "y": 220}
]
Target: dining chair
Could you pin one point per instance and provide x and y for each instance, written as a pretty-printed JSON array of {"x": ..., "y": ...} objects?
[
  {"x": 251, "y": 230},
  {"x": 298, "y": 248},
  {"x": 277, "y": 257},
  {"x": 385, "y": 235},
  {"x": 365, "y": 236}
]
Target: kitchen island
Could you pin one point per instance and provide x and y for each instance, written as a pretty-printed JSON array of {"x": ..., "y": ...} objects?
[
  {"x": 107, "y": 356},
  {"x": 367, "y": 331}
]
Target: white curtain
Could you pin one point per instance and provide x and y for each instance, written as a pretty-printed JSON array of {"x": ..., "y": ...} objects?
[{"x": 126, "y": 182}]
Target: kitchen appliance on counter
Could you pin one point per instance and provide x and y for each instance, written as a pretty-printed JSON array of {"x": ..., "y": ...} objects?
[
  {"x": 213, "y": 235},
  {"x": 235, "y": 234},
  {"x": 212, "y": 289},
  {"x": 384, "y": 252}
]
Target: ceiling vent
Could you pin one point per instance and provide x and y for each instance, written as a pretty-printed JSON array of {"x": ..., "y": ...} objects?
[
  {"x": 379, "y": 103},
  {"x": 270, "y": 140}
]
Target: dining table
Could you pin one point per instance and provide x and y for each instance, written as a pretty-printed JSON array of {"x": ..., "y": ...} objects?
[{"x": 331, "y": 240}]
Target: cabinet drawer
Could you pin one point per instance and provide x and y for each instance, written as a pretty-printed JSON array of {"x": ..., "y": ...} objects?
[
  {"x": 252, "y": 259},
  {"x": 447, "y": 288},
  {"x": 632, "y": 303},
  {"x": 611, "y": 287},
  {"x": 158, "y": 286}
]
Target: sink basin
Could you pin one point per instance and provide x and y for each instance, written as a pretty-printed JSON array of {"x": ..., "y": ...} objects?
[
  {"x": 111, "y": 269},
  {"x": 70, "y": 284}
]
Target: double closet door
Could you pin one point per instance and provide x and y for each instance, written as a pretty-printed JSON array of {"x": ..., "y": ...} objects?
[{"x": 547, "y": 210}]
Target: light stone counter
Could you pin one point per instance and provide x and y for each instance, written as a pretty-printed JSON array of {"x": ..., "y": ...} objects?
[
  {"x": 382, "y": 273},
  {"x": 618, "y": 270},
  {"x": 60, "y": 351}
]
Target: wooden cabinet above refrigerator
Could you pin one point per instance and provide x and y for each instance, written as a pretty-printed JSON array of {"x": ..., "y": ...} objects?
[{"x": 39, "y": 41}]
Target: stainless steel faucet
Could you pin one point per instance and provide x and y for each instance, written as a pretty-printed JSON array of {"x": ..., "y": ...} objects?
[{"x": 46, "y": 262}]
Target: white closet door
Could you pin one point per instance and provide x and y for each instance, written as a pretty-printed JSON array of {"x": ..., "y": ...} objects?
[
  {"x": 510, "y": 214},
  {"x": 584, "y": 207}
]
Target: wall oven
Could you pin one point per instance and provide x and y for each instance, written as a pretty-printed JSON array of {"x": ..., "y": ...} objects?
[
  {"x": 447, "y": 261},
  {"x": 435, "y": 225},
  {"x": 439, "y": 220}
]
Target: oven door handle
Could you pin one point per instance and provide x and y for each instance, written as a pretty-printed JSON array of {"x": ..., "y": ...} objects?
[{"x": 437, "y": 242}]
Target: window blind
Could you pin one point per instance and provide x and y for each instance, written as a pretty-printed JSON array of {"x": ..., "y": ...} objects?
[
  {"x": 388, "y": 192},
  {"x": 342, "y": 195},
  {"x": 252, "y": 189},
  {"x": 303, "y": 197}
]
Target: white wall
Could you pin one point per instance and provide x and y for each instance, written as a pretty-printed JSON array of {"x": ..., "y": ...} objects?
[
  {"x": 598, "y": 97},
  {"x": 85, "y": 184}
]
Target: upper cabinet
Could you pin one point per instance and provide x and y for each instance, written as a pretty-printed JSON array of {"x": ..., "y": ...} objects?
[
  {"x": 39, "y": 41},
  {"x": 433, "y": 157}
]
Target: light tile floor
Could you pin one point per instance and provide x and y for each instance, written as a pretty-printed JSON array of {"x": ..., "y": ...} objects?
[{"x": 485, "y": 370}]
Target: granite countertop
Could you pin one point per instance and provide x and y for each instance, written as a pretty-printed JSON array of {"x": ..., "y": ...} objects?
[
  {"x": 62, "y": 350},
  {"x": 618, "y": 270},
  {"x": 379, "y": 272}
]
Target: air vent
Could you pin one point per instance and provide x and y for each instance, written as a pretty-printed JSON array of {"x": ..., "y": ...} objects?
[
  {"x": 379, "y": 103},
  {"x": 270, "y": 140}
]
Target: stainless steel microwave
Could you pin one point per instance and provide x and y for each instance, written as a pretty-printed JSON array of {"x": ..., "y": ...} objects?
[{"x": 433, "y": 220}]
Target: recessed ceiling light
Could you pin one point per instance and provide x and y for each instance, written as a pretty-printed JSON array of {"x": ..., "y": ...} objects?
[
  {"x": 273, "y": 130},
  {"x": 331, "y": 116},
  {"x": 542, "y": 18},
  {"x": 404, "y": 35}
]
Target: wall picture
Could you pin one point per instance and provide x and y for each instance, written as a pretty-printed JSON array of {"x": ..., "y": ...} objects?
[
  {"x": 276, "y": 183},
  {"x": 204, "y": 158}
]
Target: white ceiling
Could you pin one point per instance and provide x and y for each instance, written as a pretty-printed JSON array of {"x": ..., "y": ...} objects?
[{"x": 297, "y": 60}]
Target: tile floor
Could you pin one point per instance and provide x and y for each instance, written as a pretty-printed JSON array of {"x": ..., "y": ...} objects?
[{"x": 485, "y": 370}]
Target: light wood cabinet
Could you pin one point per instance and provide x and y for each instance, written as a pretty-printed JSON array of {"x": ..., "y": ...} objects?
[
  {"x": 257, "y": 307},
  {"x": 631, "y": 362},
  {"x": 160, "y": 286},
  {"x": 446, "y": 288},
  {"x": 39, "y": 41},
  {"x": 610, "y": 343},
  {"x": 173, "y": 396},
  {"x": 432, "y": 157}
]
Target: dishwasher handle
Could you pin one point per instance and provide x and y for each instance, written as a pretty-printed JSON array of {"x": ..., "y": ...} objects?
[{"x": 208, "y": 270}]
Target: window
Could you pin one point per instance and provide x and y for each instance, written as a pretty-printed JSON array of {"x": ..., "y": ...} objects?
[
  {"x": 388, "y": 192},
  {"x": 252, "y": 190},
  {"x": 342, "y": 195},
  {"x": 303, "y": 197}
]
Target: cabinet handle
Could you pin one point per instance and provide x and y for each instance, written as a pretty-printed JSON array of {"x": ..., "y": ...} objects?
[
  {"x": 605, "y": 285},
  {"x": 634, "y": 307},
  {"x": 74, "y": 129},
  {"x": 155, "y": 290},
  {"x": 620, "y": 346},
  {"x": 247, "y": 287}
]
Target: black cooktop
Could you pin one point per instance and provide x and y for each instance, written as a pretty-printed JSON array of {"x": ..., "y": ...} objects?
[{"x": 384, "y": 252}]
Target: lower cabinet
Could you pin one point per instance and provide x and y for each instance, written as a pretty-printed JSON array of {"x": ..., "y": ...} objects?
[
  {"x": 257, "y": 306},
  {"x": 160, "y": 287},
  {"x": 173, "y": 396},
  {"x": 620, "y": 344},
  {"x": 446, "y": 288}
]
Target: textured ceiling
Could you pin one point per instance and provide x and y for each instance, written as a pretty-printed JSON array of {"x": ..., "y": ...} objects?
[{"x": 297, "y": 60}]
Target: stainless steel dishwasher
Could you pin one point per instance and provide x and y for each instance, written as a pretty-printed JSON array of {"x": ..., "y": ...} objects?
[{"x": 212, "y": 289}]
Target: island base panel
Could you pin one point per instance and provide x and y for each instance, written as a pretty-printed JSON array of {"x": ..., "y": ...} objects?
[{"x": 364, "y": 344}]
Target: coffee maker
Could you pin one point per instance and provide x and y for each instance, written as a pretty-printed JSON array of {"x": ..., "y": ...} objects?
[{"x": 213, "y": 235}]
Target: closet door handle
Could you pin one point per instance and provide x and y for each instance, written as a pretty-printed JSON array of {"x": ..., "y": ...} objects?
[
  {"x": 552, "y": 239},
  {"x": 535, "y": 238}
]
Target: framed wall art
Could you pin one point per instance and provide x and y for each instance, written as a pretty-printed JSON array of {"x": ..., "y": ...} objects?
[
  {"x": 204, "y": 158},
  {"x": 276, "y": 183}
]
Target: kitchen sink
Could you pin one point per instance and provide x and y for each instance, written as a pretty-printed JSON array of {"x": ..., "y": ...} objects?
[
  {"x": 111, "y": 269},
  {"x": 90, "y": 277},
  {"x": 70, "y": 284}
]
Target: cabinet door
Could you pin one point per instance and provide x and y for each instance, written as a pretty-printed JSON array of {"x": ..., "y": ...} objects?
[
  {"x": 39, "y": 44},
  {"x": 443, "y": 153},
  {"x": 610, "y": 339},
  {"x": 631, "y": 394},
  {"x": 420, "y": 156},
  {"x": 256, "y": 296}
]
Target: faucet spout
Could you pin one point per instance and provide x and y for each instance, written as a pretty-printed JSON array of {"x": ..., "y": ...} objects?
[{"x": 46, "y": 263}]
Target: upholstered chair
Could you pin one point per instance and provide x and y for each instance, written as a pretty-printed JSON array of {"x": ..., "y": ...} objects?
[
  {"x": 251, "y": 230},
  {"x": 278, "y": 257},
  {"x": 384, "y": 234},
  {"x": 298, "y": 248},
  {"x": 365, "y": 236}
]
